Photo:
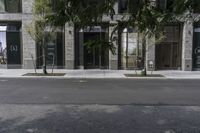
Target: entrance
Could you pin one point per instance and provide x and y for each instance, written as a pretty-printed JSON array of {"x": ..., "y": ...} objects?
[
  {"x": 168, "y": 52},
  {"x": 92, "y": 56},
  {"x": 91, "y": 52},
  {"x": 95, "y": 56},
  {"x": 196, "y": 49},
  {"x": 168, "y": 58},
  {"x": 54, "y": 50}
]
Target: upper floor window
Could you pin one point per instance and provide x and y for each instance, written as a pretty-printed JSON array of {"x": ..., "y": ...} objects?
[
  {"x": 10, "y": 6},
  {"x": 128, "y": 6},
  {"x": 93, "y": 2},
  {"x": 196, "y": 4},
  {"x": 165, "y": 4},
  {"x": 123, "y": 6}
]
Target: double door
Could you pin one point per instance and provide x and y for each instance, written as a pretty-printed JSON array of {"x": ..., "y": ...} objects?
[
  {"x": 167, "y": 56},
  {"x": 94, "y": 56}
]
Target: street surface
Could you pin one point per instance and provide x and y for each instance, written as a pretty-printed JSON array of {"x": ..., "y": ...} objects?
[{"x": 99, "y": 106}]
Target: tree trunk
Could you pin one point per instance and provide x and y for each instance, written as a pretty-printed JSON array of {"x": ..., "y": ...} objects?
[
  {"x": 44, "y": 57},
  {"x": 144, "y": 71}
]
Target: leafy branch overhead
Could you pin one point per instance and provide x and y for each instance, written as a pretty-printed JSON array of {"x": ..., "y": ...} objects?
[
  {"x": 39, "y": 29},
  {"x": 145, "y": 15},
  {"x": 83, "y": 12},
  {"x": 100, "y": 44}
]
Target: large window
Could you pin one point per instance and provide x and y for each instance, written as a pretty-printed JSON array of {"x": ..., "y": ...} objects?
[
  {"x": 10, "y": 6},
  {"x": 196, "y": 47},
  {"x": 165, "y": 4},
  {"x": 128, "y": 6},
  {"x": 131, "y": 49},
  {"x": 10, "y": 44},
  {"x": 96, "y": 56},
  {"x": 54, "y": 49},
  {"x": 3, "y": 45},
  {"x": 168, "y": 51}
]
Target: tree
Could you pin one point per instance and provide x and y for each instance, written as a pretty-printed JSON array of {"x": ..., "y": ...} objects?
[
  {"x": 148, "y": 19},
  {"x": 143, "y": 14},
  {"x": 38, "y": 28},
  {"x": 83, "y": 13}
]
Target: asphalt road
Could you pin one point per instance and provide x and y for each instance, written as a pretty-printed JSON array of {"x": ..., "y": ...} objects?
[
  {"x": 99, "y": 106},
  {"x": 100, "y": 91}
]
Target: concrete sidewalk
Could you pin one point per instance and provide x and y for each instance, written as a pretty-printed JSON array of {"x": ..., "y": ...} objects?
[{"x": 18, "y": 73}]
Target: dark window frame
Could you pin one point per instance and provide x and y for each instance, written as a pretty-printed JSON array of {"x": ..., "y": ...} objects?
[{"x": 167, "y": 5}]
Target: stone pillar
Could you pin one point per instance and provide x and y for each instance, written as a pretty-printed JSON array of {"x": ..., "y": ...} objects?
[
  {"x": 28, "y": 44},
  {"x": 81, "y": 50},
  {"x": 69, "y": 47},
  {"x": 113, "y": 59},
  {"x": 150, "y": 53},
  {"x": 187, "y": 45},
  {"x": 116, "y": 7}
]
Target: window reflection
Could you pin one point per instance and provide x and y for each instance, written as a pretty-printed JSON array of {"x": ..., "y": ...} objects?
[
  {"x": 3, "y": 51},
  {"x": 10, "y": 45},
  {"x": 131, "y": 49},
  {"x": 165, "y": 4},
  {"x": 54, "y": 49}
]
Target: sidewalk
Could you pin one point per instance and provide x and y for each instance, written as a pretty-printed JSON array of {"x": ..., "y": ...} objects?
[{"x": 18, "y": 73}]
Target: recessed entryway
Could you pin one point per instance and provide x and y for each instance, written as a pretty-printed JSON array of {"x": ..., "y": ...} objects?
[{"x": 168, "y": 51}]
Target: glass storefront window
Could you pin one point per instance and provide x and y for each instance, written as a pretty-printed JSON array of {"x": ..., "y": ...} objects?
[
  {"x": 131, "y": 49},
  {"x": 10, "y": 45},
  {"x": 168, "y": 50},
  {"x": 196, "y": 48},
  {"x": 54, "y": 50},
  {"x": 93, "y": 57},
  {"x": 3, "y": 53}
]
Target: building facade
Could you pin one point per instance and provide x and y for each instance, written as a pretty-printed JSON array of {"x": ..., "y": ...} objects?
[{"x": 179, "y": 50}]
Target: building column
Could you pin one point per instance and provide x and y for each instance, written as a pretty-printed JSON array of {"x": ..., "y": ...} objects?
[
  {"x": 69, "y": 47},
  {"x": 81, "y": 49},
  {"x": 113, "y": 59},
  {"x": 150, "y": 53},
  {"x": 28, "y": 44},
  {"x": 187, "y": 45},
  {"x": 116, "y": 7}
]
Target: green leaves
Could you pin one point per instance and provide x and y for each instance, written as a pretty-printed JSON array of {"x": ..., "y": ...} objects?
[
  {"x": 84, "y": 12},
  {"x": 100, "y": 44}
]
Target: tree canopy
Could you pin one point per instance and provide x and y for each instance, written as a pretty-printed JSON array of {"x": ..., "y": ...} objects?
[
  {"x": 82, "y": 12},
  {"x": 146, "y": 15}
]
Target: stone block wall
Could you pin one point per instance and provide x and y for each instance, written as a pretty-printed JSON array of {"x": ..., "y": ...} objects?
[
  {"x": 113, "y": 58},
  {"x": 69, "y": 47},
  {"x": 29, "y": 46},
  {"x": 187, "y": 45}
]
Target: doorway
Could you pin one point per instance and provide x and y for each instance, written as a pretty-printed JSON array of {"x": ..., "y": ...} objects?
[
  {"x": 196, "y": 49},
  {"x": 95, "y": 57},
  {"x": 168, "y": 51},
  {"x": 91, "y": 47}
]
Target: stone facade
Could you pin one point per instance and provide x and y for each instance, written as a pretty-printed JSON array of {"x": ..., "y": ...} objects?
[
  {"x": 113, "y": 58},
  {"x": 29, "y": 46},
  {"x": 187, "y": 46},
  {"x": 69, "y": 47}
]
